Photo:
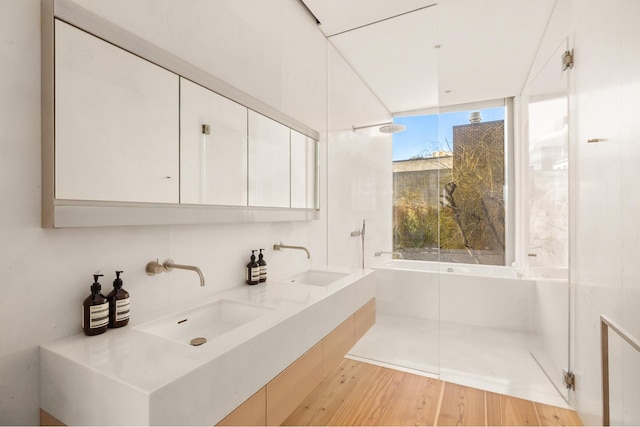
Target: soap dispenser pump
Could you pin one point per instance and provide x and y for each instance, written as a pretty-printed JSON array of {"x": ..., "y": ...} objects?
[
  {"x": 95, "y": 316},
  {"x": 263, "y": 267},
  {"x": 118, "y": 304},
  {"x": 253, "y": 270}
]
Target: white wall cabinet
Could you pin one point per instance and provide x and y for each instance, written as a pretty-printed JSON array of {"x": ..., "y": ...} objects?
[
  {"x": 213, "y": 166},
  {"x": 116, "y": 123},
  {"x": 123, "y": 140},
  {"x": 269, "y": 162}
]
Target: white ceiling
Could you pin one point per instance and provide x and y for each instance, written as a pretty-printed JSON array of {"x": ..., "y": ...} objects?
[{"x": 486, "y": 47}]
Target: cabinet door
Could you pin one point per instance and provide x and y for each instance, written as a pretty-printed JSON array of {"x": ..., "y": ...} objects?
[
  {"x": 213, "y": 166},
  {"x": 116, "y": 123},
  {"x": 269, "y": 162},
  {"x": 303, "y": 171}
]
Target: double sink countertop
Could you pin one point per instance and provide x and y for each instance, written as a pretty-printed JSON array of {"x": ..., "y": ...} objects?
[{"x": 149, "y": 374}]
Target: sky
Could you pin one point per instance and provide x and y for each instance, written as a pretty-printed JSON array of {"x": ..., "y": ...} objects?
[{"x": 426, "y": 134}]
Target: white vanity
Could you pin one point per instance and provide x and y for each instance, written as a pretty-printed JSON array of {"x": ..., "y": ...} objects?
[{"x": 148, "y": 374}]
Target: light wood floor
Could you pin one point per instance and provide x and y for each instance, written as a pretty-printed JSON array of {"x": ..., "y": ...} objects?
[{"x": 358, "y": 393}]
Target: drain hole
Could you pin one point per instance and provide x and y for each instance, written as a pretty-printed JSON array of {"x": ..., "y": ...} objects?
[
  {"x": 198, "y": 341},
  {"x": 182, "y": 321}
]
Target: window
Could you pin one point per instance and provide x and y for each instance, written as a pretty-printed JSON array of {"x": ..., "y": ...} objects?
[{"x": 450, "y": 186}]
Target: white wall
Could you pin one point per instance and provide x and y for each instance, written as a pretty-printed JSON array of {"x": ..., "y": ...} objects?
[
  {"x": 607, "y": 240},
  {"x": 271, "y": 50},
  {"x": 360, "y": 176},
  {"x": 605, "y": 234}
]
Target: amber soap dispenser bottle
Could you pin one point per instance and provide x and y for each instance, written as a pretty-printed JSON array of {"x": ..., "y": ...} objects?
[
  {"x": 253, "y": 270},
  {"x": 118, "y": 300},
  {"x": 95, "y": 316},
  {"x": 263, "y": 267}
]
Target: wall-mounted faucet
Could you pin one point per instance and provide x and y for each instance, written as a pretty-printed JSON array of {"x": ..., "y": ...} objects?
[
  {"x": 154, "y": 267},
  {"x": 393, "y": 254},
  {"x": 281, "y": 246}
]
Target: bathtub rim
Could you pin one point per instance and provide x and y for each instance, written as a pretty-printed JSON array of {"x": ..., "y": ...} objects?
[{"x": 505, "y": 272}]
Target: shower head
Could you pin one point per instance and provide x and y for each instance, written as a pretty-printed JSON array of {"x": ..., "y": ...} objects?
[
  {"x": 388, "y": 127},
  {"x": 392, "y": 128}
]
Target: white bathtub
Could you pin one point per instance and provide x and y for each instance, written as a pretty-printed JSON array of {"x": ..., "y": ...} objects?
[
  {"x": 451, "y": 268},
  {"x": 484, "y": 296}
]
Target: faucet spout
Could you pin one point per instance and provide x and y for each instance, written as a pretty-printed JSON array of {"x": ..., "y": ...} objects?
[
  {"x": 277, "y": 247},
  {"x": 393, "y": 254},
  {"x": 154, "y": 267}
]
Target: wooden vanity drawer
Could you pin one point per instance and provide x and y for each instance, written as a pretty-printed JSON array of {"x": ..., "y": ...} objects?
[{"x": 286, "y": 391}]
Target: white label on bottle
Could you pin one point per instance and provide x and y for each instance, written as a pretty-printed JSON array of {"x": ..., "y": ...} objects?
[
  {"x": 122, "y": 309},
  {"x": 263, "y": 272},
  {"x": 98, "y": 315},
  {"x": 255, "y": 274}
]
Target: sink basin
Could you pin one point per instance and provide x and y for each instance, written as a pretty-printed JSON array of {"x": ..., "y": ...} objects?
[
  {"x": 208, "y": 321},
  {"x": 317, "y": 277}
]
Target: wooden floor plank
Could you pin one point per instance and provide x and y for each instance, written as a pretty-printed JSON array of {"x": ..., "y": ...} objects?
[
  {"x": 373, "y": 394},
  {"x": 461, "y": 406},
  {"x": 415, "y": 402},
  {"x": 324, "y": 401},
  {"x": 554, "y": 416},
  {"x": 510, "y": 411},
  {"x": 358, "y": 393}
]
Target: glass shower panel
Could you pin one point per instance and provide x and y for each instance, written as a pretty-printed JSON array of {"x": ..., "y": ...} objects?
[
  {"x": 407, "y": 333},
  {"x": 546, "y": 103},
  {"x": 409, "y": 293}
]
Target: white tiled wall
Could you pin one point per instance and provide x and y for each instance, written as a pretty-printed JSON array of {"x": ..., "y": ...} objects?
[
  {"x": 359, "y": 168},
  {"x": 630, "y": 135}
]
